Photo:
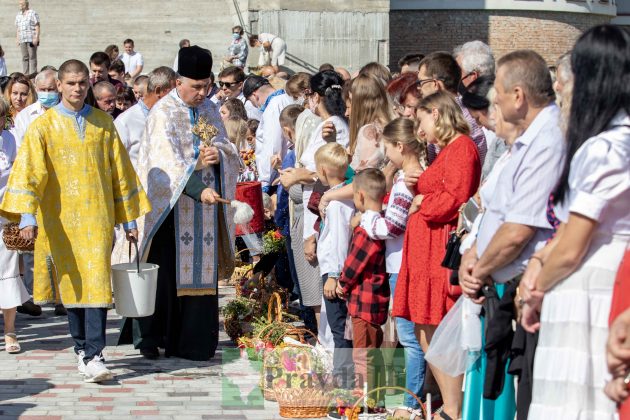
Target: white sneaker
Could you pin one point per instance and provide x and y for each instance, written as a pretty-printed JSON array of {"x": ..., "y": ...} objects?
[
  {"x": 80, "y": 362},
  {"x": 95, "y": 371}
]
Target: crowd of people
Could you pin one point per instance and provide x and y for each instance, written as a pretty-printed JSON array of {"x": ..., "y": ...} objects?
[{"x": 494, "y": 189}]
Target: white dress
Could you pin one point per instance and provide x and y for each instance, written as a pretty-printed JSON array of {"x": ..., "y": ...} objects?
[
  {"x": 12, "y": 290},
  {"x": 570, "y": 364}
]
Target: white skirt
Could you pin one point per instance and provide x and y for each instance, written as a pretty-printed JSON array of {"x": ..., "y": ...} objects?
[
  {"x": 12, "y": 290},
  {"x": 570, "y": 369}
]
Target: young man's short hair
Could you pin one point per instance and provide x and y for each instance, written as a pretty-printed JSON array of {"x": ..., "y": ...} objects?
[
  {"x": 118, "y": 66},
  {"x": 128, "y": 41},
  {"x": 72, "y": 66},
  {"x": 236, "y": 72},
  {"x": 443, "y": 66},
  {"x": 334, "y": 157},
  {"x": 100, "y": 58},
  {"x": 372, "y": 182}
]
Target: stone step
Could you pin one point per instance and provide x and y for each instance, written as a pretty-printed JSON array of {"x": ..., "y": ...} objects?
[{"x": 77, "y": 29}]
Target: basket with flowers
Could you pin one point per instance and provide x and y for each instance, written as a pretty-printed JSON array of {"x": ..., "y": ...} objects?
[
  {"x": 298, "y": 375},
  {"x": 273, "y": 242},
  {"x": 249, "y": 171},
  {"x": 238, "y": 316}
]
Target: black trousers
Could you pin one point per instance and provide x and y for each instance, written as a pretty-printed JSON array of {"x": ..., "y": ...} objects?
[
  {"x": 343, "y": 364},
  {"x": 186, "y": 326}
]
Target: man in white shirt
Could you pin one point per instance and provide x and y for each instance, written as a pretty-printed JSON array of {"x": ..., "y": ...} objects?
[
  {"x": 131, "y": 123},
  {"x": 273, "y": 50},
  {"x": 231, "y": 86},
  {"x": 47, "y": 97},
  {"x": 515, "y": 222},
  {"x": 269, "y": 136},
  {"x": 132, "y": 59}
]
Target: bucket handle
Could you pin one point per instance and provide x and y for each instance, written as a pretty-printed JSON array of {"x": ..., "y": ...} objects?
[{"x": 137, "y": 254}]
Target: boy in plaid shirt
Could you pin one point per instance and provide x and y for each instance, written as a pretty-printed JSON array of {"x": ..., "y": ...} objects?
[{"x": 364, "y": 283}]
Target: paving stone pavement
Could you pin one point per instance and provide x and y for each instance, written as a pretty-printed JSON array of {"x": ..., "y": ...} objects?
[{"x": 42, "y": 382}]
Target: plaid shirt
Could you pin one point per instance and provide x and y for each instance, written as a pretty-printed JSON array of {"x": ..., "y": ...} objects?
[{"x": 364, "y": 279}]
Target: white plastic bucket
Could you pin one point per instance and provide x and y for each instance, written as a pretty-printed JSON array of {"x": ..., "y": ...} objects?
[{"x": 135, "y": 287}]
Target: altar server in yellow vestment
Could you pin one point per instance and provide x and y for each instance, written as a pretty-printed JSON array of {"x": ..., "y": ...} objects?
[{"x": 74, "y": 174}]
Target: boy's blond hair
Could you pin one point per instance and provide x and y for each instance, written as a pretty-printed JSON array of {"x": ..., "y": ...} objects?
[
  {"x": 372, "y": 182},
  {"x": 334, "y": 157}
]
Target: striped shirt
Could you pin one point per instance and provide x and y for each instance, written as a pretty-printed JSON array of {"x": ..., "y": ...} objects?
[
  {"x": 476, "y": 134},
  {"x": 25, "y": 24}
]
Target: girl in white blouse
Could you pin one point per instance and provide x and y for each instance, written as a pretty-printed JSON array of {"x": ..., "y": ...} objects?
[{"x": 573, "y": 275}]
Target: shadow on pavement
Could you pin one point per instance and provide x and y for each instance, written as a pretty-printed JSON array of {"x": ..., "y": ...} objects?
[{"x": 19, "y": 388}]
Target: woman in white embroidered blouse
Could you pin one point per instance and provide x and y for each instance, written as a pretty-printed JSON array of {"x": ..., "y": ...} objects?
[{"x": 12, "y": 290}]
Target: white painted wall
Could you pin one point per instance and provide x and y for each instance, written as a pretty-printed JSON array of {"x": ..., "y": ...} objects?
[{"x": 348, "y": 39}]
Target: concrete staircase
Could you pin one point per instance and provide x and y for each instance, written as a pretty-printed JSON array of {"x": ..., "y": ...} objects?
[{"x": 76, "y": 29}]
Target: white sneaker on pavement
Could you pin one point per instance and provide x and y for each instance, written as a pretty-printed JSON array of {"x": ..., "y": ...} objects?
[
  {"x": 80, "y": 362},
  {"x": 95, "y": 371}
]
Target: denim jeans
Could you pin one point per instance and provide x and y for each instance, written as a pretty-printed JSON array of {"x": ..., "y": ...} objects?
[
  {"x": 87, "y": 328},
  {"x": 343, "y": 365},
  {"x": 415, "y": 366}
]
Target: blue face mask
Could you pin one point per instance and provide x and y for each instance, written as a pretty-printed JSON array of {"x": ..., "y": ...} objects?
[
  {"x": 48, "y": 99},
  {"x": 236, "y": 36}
]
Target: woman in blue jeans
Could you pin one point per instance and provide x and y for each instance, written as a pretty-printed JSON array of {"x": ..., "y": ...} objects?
[
  {"x": 415, "y": 366},
  {"x": 406, "y": 154}
]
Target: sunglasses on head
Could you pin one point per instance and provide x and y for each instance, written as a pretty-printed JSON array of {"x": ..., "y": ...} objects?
[{"x": 228, "y": 84}]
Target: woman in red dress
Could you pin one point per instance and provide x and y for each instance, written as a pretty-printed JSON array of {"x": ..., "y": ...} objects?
[
  {"x": 618, "y": 351},
  {"x": 423, "y": 292}
]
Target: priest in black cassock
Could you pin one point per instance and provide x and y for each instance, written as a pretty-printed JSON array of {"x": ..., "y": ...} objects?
[{"x": 185, "y": 162}]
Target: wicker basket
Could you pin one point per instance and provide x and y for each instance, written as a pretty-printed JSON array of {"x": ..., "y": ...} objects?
[
  {"x": 13, "y": 241},
  {"x": 274, "y": 318},
  {"x": 236, "y": 326},
  {"x": 241, "y": 269},
  {"x": 354, "y": 414},
  {"x": 238, "y": 286},
  {"x": 297, "y": 403}
]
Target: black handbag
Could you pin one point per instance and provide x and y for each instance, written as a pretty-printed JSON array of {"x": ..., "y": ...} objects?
[{"x": 453, "y": 258}]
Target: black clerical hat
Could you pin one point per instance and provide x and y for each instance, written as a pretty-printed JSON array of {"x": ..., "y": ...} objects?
[{"x": 194, "y": 62}]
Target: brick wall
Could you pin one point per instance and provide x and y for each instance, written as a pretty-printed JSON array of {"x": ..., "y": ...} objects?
[{"x": 549, "y": 33}]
